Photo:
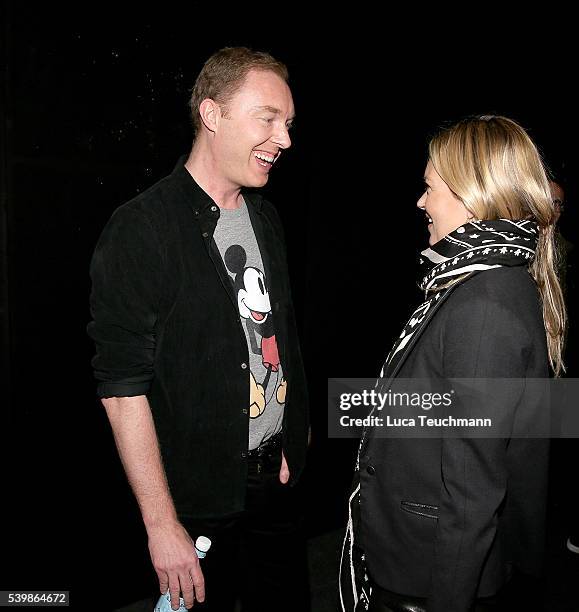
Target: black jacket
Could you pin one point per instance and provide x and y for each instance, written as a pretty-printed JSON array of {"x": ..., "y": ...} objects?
[
  {"x": 166, "y": 325},
  {"x": 449, "y": 518}
]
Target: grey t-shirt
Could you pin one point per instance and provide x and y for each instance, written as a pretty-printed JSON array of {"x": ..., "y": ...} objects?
[{"x": 237, "y": 244}]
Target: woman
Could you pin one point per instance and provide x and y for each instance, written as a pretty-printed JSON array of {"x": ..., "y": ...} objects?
[{"x": 441, "y": 524}]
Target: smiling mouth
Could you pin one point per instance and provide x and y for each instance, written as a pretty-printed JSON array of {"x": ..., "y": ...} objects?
[
  {"x": 265, "y": 158},
  {"x": 258, "y": 316}
]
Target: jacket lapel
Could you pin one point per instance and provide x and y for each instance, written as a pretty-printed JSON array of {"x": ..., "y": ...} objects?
[{"x": 393, "y": 369}]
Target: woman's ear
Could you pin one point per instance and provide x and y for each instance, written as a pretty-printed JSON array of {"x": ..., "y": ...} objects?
[{"x": 469, "y": 215}]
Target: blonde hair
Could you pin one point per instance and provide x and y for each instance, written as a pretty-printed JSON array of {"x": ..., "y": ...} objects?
[{"x": 495, "y": 169}]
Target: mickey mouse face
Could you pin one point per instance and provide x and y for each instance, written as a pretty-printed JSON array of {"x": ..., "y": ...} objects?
[{"x": 253, "y": 297}]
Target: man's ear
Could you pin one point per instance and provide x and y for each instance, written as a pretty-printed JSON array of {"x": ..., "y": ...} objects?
[{"x": 210, "y": 114}]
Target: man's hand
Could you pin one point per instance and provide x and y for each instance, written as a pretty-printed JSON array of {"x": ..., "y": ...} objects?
[
  {"x": 176, "y": 563},
  {"x": 284, "y": 472}
]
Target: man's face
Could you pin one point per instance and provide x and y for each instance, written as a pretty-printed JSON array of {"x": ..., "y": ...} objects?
[
  {"x": 251, "y": 135},
  {"x": 558, "y": 196}
]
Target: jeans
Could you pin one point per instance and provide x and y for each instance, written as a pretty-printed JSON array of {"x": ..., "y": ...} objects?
[{"x": 258, "y": 555}]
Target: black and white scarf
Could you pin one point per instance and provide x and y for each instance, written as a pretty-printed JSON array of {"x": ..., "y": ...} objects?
[{"x": 472, "y": 248}]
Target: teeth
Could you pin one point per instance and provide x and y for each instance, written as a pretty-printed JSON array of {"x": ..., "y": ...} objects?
[{"x": 267, "y": 158}]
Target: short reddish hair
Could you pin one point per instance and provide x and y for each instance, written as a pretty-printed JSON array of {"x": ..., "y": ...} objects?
[{"x": 225, "y": 72}]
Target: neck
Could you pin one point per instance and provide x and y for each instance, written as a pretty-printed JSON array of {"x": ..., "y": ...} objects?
[{"x": 203, "y": 167}]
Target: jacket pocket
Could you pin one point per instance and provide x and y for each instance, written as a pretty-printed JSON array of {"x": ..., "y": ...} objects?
[{"x": 426, "y": 510}]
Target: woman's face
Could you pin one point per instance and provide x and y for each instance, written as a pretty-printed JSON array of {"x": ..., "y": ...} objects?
[{"x": 445, "y": 212}]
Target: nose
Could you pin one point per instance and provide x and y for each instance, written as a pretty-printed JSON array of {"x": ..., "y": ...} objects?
[
  {"x": 421, "y": 201},
  {"x": 282, "y": 138}
]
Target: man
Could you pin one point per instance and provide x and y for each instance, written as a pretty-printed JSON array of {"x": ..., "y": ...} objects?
[
  {"x": 564, "y": 246},
  {"x": 566, "y": 450},
  {"x": 197, "y": 359}
]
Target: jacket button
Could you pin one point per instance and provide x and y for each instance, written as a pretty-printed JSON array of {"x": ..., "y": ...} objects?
[
  {"x": 244, "y": 410},
  {"x": 214, "y": 208},
  {"x": 205, "y": 234},
  {"x": 244, "y": 366},
  {"x": 371, "y": 470},
  {"x": 243, "y": 454}
]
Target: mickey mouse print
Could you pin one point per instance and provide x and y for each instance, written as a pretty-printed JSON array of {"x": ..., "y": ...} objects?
[
  {"x": 255, "y": 309},
  {"x": 241, "y": 255}
]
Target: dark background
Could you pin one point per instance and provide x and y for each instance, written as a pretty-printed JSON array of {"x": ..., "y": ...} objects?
[{"x": 94, "y": 110}]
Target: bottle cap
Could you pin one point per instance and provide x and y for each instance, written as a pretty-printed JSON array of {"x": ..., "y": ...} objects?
[{"x": 203, "y": 543}]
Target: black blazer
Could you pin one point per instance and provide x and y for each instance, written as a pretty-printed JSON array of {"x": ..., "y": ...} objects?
[{"x": 448, "y": 518}]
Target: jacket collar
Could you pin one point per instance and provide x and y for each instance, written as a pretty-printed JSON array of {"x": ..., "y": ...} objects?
[{"x": 198, "y": 199}]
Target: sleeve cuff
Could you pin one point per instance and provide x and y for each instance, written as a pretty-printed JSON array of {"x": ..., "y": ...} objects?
[{"x": 122, "y": 389}]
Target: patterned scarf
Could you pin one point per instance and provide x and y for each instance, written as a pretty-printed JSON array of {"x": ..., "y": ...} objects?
[
  {"x": 476, "y": 246},
  {"x": 472, "y": 248}
]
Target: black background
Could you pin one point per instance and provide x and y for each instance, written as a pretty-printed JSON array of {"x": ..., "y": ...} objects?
[{"x": 95, "y": 110}]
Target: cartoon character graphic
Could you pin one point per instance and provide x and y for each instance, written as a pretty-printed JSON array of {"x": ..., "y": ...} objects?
[{"x": 254, "y": 306}]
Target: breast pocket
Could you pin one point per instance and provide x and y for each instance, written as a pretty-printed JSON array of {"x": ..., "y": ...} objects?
[{"x": 425, "y": 510}]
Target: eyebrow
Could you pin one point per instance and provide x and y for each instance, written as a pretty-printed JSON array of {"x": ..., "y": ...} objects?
[{"x": 271, "y": 109}]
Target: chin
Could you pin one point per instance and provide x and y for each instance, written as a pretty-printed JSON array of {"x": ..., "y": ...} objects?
[{"x": 254, "y": 182}]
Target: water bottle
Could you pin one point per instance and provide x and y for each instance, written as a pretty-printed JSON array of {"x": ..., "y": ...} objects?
[{"x": 202, "y": 545}]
